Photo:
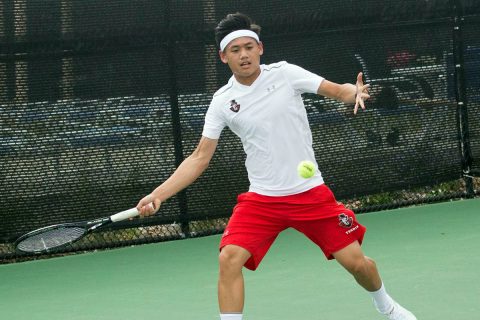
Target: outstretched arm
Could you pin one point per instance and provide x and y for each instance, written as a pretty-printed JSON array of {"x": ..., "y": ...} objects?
[
  {"x": 347, "y": 92},
  {"x": 187, "y": 172}
]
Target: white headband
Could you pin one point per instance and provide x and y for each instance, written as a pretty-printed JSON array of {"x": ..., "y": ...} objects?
[{"x": 237, "y": 34}]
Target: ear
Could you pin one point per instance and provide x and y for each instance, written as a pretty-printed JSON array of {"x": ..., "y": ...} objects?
[
  {"x": 260, "y": 45},
  {"x": 223, "y": 56}
]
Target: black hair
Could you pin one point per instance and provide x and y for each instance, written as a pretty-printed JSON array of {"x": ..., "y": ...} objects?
[{"x": 233, "y": 22}]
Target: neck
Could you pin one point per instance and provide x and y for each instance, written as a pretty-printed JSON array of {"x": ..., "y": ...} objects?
[{"x": 247, "y": 80}]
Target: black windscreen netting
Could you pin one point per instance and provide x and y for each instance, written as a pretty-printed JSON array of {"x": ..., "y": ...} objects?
[
  {"x": 100, "y": 101},
  {"x": 472, "y": 79}
]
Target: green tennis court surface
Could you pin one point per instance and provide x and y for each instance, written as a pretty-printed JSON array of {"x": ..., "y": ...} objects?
[{"x": 427, "y": 255}]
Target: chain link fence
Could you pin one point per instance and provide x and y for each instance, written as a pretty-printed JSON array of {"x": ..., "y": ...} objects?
[{"x": 101, "y": 101}]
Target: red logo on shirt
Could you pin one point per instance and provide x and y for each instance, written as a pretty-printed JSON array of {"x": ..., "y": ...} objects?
[{"x": 234, "y": 106}]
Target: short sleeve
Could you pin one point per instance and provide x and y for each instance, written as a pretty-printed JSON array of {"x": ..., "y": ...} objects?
[
  {"x": 301, "y": 80},
  {"x": 214, "y": 123}
]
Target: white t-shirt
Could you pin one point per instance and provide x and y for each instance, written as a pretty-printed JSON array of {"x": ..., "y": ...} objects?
[{"x": 270, "y": 118}]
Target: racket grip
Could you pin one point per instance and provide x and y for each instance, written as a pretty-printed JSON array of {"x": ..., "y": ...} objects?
[{"x": 127, "y": 214}]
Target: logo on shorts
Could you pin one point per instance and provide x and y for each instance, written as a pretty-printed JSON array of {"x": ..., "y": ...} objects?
[
  {"x": 345, "y": 221},
  {"x": 234, "y": 106}
]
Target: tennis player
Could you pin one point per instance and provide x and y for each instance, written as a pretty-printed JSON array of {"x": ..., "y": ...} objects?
[{"x": 262, "y": 104}]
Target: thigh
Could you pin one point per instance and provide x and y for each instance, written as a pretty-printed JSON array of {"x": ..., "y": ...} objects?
[
  {"x": 334, "y": 232},
  {"x": 254, "y": 228}
]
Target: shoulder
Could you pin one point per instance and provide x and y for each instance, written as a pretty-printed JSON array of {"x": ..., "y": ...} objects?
[
  {"x": 275, "y": 66},
  {"x": 221, "y": 97},
  {"x": 282, "y": 68},
  {"x": 287, "y": 67},
  {"x": 224, "y": 90}
]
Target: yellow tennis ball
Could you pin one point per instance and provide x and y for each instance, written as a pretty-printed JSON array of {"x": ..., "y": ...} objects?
[{"x": 306, "y": 169}]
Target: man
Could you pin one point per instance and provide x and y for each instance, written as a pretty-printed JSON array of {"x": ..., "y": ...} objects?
[{"x": 262, "y": 104}]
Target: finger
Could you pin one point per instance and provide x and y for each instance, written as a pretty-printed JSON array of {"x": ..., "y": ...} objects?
[
  {"x": 360, "y": 78},
  {"x": 364, "y": 89},
  {"x": 142, "y": 211},
  {"x": 362, "y": 104},
  {"x": 355, "y": 109},
  {"x": 139, "y": 206},
  {"x": 146, "y": 210},
  {"x": 142, "y": 205},
  {"x": 365, "y": 96},
  {"x": 150, "y": 209},
  {"x": 156, "y": 205}
]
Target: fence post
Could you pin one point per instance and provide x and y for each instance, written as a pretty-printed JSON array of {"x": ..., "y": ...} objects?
[
  {"x": 176, "y": 124},
  {"x": 8, "y": 22},
  {"x": 460, "y": 95}
]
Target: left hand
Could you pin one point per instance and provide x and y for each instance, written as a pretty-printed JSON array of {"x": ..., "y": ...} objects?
[{"x": 361, "y": 93}]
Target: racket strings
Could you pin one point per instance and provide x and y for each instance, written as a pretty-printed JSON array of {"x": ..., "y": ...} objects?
[{"x": 50, "y": 239}]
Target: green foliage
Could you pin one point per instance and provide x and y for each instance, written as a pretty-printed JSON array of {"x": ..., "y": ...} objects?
[{"x": 410, "y": 195}]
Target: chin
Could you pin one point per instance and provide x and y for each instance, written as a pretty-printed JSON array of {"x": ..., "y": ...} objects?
[{"x": 249, "y": 72}]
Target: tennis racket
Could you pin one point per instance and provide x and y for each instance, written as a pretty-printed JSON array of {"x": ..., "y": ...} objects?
[{"x": 57, "y": 236}]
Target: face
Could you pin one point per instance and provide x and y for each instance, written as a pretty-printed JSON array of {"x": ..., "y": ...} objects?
[{"x": 243, "y": 57}]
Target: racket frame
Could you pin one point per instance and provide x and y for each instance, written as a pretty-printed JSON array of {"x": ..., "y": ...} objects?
[{"x": 88, "y": 226}]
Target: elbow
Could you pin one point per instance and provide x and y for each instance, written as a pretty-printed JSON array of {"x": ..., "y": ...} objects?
[
  {"x": 202, "y": 162},
  {"x": 202, "y": 155}
]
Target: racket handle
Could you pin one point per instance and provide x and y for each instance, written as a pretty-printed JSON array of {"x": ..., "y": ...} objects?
[{"x": 127, "y": 214}]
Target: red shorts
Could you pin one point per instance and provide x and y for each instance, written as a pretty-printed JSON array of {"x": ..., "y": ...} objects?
[{"x": 257, "y": 220}]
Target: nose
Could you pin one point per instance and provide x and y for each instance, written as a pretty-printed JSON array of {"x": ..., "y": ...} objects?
[{"x": 243, "y": 53}]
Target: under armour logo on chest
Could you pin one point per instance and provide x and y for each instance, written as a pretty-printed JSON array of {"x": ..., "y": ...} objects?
[{"x": 271, "y": 88}]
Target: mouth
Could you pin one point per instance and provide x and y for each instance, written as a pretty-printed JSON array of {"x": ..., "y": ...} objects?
[{"x": 245, "y": 64}]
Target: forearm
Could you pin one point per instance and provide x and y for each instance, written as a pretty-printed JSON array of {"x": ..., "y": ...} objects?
[
  {"x": 340, "y": 92},
  {"x": 188, "y": 171}
]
